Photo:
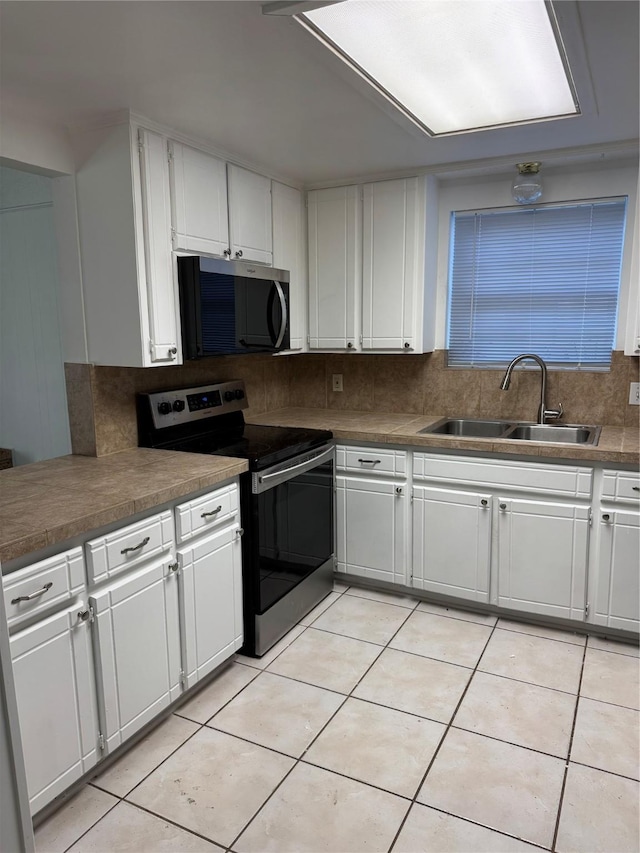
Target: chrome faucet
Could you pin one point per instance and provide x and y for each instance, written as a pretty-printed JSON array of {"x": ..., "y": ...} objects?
[{"x": 544, "y": 414}]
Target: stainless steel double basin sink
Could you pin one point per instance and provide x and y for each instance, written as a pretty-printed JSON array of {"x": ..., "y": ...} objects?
[{"x": 518, "y": 431}]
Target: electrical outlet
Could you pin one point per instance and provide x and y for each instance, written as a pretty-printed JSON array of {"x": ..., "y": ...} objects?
[
  {"x": 634, "y": 394},
  {"x": 336, "y": 382}
]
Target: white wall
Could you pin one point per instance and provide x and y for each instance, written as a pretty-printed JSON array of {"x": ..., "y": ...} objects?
[
  {"x": 31, "y": 143},
  {"x": 33, "y": 416},
  {"x": 565, "y": 184}
]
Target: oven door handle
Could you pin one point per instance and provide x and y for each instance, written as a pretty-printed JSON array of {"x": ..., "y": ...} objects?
[{"x": 262, "y": 482}]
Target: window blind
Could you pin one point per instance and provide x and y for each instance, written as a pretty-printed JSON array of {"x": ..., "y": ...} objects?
[{"x": 542, "y": 280}]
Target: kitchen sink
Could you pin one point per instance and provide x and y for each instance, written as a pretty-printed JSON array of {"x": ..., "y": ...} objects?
[
  {"x": 564, "y": 433},
  {"x": 477, "y": 428},
  {"x": 468, "y": 427}
]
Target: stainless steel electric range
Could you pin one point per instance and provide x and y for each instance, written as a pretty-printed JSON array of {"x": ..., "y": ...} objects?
[{"x": 286, "y": 499}]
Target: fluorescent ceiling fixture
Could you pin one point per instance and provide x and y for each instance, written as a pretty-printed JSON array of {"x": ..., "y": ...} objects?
[{"x": 454, "y": 65}]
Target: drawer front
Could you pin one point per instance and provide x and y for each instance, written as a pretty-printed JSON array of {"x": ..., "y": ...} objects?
[
  {"x": 621, "y": 486},
  {"x": 130, "y": 546},
  {"x": 566, "y": 480},
  {"x": 371, "y": 460},
  {"x": 36, "y": 588},
  {"x": 207, "y": 512}
]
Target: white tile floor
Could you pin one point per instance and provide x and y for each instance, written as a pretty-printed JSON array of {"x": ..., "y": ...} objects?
[{"x": 382, "y": 724}]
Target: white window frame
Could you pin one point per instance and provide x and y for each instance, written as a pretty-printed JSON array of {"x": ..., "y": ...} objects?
[{"x": 567, "y": 183}]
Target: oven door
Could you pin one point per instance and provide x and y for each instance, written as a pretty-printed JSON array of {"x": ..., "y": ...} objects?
[{"x": 291, "y": 534}]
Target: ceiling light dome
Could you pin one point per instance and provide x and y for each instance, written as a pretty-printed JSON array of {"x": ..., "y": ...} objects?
[{"x": 527, "y": 184}]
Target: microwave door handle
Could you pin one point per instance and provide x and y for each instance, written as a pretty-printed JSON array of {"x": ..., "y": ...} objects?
[{"x": 283, "y": 308}]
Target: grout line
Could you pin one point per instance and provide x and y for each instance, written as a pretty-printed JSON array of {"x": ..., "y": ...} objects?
[
  {"x": 442, "y": 739},
  {"x": 319, "y": 733},
  {"x": 568, "y": 761},
  {"x": 110, "y": 809},
  {"x": 608, "y": 772}
]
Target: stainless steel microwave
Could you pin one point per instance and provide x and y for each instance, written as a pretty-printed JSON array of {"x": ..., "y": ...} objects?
[{"x": 232, "y": 307}]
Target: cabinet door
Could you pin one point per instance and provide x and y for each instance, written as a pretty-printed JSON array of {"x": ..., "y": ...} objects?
[
  {"x": 371, "y": 529},
  {"x": 55, "y": 691},
  {"x": 198, "y": 201},
  {"x": 393, "y": 265},
  {"x": 289, "y": 253},
  {"x": 250, "y": 216},
  {"x": 542, "y": 557},
  {"x": 616, "y": 601},
  {"x": 210, "y": 601},
  {"x": 334, "y": 267},
  {"x": 161, "y": 292},
  {"x": 137, "y": 639},
  {"x": 451, "y": 542}
]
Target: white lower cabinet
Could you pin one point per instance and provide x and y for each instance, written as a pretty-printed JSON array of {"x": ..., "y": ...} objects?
[
  {"x": 542, "y": 557},
  {"x": 54, "y": 680},
  {"x": 210, "y": 601},
  {"x": 616, "y": 599},
  {"x": 371, "y": 528},
  {"x": 137, "y": 648},
  {"x": 451, "y": 542}
]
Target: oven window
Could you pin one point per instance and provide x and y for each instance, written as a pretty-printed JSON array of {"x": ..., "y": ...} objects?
[{"x": 295, "y": 531}]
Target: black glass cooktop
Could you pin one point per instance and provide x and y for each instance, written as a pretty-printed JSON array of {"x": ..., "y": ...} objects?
[{"x": 261, "y": 445}]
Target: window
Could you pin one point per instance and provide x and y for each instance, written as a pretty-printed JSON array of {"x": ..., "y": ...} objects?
[{"x": 542, "y": 279}]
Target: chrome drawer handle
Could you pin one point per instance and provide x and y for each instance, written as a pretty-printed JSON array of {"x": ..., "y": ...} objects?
[
  {"x": 135, "y": 547},
  {"x": 33, "y": 595},
  {"x": 212, "y": 512},
  {"x": 636, "y": 488},
  {"x": 369, "y": 461}
]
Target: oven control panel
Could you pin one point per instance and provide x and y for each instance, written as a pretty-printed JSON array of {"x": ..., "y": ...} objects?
[{"x": 185, "y": 405}]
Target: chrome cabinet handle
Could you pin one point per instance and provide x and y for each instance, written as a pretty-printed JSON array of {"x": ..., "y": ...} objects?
[
  {"x": 398, "y": 490},
  {"x": 407, "y": 345},
  {"x": 84, "y": 615},
  {"x": 173, "y": 567},
  {"x": 227, "y": 253},
  {"x": 484, "y": 502},
  {"x": 135, "y": 547},
  {"x": 503, "y": 506},
  {"x": 369, "y": 461},
  {"x": 606, "y": 517},
  {"x": 211, "y": 512},
  {"x": 173, "y": 350},
  {"x": 240, "y": 532},
  {"x": 636, "y": 488},
  {"x": 32, "y": 595},
  {"x": 239, "y": 253},
  {"x": 349, "y": 345}
]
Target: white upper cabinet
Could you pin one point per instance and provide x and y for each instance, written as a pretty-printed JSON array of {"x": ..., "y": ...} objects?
[
  {"x": 393, "y": 231},
  {"x": 289, "y": 253},
  {"x": 198, "y": 201},
  {"x": 372, "y": 266},
  {"x": 217, "y": 208},
  {"x": 130, "y": 297},
  {"x": 249, "y": 216},
  {"x": 335, "y": 233}
]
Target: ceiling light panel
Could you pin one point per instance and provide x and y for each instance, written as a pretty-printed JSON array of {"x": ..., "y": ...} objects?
[{"x": 454, "y": 65}]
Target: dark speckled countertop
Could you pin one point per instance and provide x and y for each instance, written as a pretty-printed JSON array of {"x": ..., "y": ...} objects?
[{"x": 48, "y": 502}]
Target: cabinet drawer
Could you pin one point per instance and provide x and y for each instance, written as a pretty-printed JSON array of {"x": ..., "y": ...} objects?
[
  {"x": 130, "y": 546},
  {"x": 38, "y": 587},
  {"x": 371, "y": 460},
  {"x": 565, "y": 480},
  {"x": 207, "y": 512},
  {"x": 621, "y": 486}
]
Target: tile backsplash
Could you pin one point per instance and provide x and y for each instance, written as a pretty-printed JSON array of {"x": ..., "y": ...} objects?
[{"x": 102, "y": 399}]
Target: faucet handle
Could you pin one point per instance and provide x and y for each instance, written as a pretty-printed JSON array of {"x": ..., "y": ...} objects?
[{"x": 553, "y": 414}]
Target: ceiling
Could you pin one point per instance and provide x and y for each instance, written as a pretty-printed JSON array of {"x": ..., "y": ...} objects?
[{"x": 264, "y": 89}]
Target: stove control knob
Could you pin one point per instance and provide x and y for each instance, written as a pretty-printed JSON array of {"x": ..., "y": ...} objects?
[
  {"x": 239, "y": 395},
  {"x": 229, "y": 396},
  {"x": 164, "y": 408},
  {"x": 178, "y": 405}
]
